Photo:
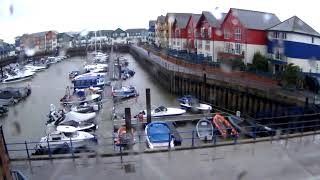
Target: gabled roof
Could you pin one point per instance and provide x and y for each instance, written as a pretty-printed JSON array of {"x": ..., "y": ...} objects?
[
  {"x": 152, "y": 23},
  {"x": 182, "y": 20},
  {"x": 161, "y": 19},
  {"x": 295, "y": 24},
  {"x": 223, "y": 15},
  {"x": 195, "y": 18},
  {"x": 172, "y": 17},
  {"x": 255, "y": 19},
  {"x": 213, "y": 21},
  {"x": 118, "y": 30}
]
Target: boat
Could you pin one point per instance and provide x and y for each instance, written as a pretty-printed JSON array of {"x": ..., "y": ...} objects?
[
  {"x": 224, "y": 127},
  {"x": 34, "y": 68},
  {"x": 63, "y": 139},
  {"x": 164, "y": 111},
  {"x": 204, "y": 130},
  {"x": 125, "y": 92},
  {"x": 17, "y": 76},
  {"x": 57, "y": 117},
  {"x": 3, "y": 110},
  {"x": 127, "y": 73},
  {"x": 93, "y": 67},
  {"x": 90, "y": 80},
  {"x": 15, "y": 93},
  {"x": 79, "y": 96},
  {"x": 73, "y": 74},
  {"x": 158, "y": 135},
  {"x": 79, "y": 126},
  {"x": 250, "y": 128},
  {"x": 86, "y": 108},
  {"x": 123, "y": 138},
  {"x": 190, "y": 103}
]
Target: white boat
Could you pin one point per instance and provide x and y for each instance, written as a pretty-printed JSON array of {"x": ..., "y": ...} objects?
[
  {"x": 164, "y": 111},
  {"x": 158, "y": 135},
  {"x": 190, "y": 103},
  {"x": 18, "y": 75},
  {"x": 92, "y": 67},
  {"x": 62, "y": 138},
  {"x": 204, "y": 130},
  {"x": 34, "y": 68},
  {"x": 80, "y": 126}
]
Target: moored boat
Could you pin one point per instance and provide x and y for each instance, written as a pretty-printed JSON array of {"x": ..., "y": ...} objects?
[
  {"x": 158, "y": 135},
  {"x": 190, "y": 103},
  {"x": 164, "y": 111},
  {"x": 224, "y": 127},
  {"x": 123, "y": 138},
  {"x": 204, "y": 130}
]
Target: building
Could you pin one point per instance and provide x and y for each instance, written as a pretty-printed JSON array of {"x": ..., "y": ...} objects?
[
  {"x": 160, "y": 31},
  {"x": 191, "y": 33},
  {"x": 119, "y": 36},
  {"x": 65, "y": 40},
  {"x": 180, "y": 32},
  {"x": 208, "y": 35},
  {"x": 244, "y": 34},
  {"x": 6, "y": 49},
  {"x": 152, "y": 32},
  {"x": 41, "y": 41},
  {"x": 137, "y": 35},
  {"x": 168, "y": 24},
  {"x": 17, "y": 42},
  {"x": 294, "y": 41}
]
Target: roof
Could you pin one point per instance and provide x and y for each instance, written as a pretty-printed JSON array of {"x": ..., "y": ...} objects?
[
  {"x": 255, "y": 19},
  {"x": 161, "y": 19},
  {"x": 137, "y": 30},
  {"x": 118, "y": 30},
  {"x": 182, "y": 20},
  {"x": 152, "y": 23},
  {"x": 295, "y": 24},
  {"x": 172, "y": 16},
  {"x": 195, "y": 18},
  {"x": 223, "y": 15},
  {"x": 213, "y": 21}
]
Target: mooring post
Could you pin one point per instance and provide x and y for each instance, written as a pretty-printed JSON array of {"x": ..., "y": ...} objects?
[
  {"x": 27, "y": 150},
  {"x": 127, "y": 113},
  {"x": 148, "y": 101},
  {"x": 192, "y": 138}
]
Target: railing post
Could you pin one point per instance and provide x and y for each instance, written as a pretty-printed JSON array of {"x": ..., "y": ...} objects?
[
  {"x": 255, "y": 132},
  {"x": 113, "y": 139},
  {"x": 71, "y": 147},
  {"x": 49, "y": 150},
  {"x": 235, "y": 139},
  {"x": 192, "y": 138},
  {"x": 214, "y": 137},
  {"x": 27, "y": 150},
  {"x": 169, "y": 144},
  {"x": 121, "y": 153}
]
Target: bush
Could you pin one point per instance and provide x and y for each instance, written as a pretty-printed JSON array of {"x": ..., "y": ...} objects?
[
  {"x": 291, "y": 76},
  {"x": 260, "y": 62}
]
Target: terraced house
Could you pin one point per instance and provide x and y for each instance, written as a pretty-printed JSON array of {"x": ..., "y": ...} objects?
[{"x": 294, "y": 41}]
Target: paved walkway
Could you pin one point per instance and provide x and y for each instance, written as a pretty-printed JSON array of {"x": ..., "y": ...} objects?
[{"x": 293, "y": 160}]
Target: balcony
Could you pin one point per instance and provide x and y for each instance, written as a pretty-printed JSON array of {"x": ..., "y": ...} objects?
[{"x": 280, "y": 59}]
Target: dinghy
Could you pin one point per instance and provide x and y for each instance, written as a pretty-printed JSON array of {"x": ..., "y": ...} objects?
[
  {"x": 158, "y": 135},
  {"x": 123, "y": 138},
  {"x": 190, "y": 103},
  {"x": 164, "y": 111},
  {"x": 204, "y": 130},
  {"x": 224, "y": 127}
]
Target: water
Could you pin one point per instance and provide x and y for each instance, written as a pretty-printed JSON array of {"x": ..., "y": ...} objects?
[{"x": 26, "y": 120}]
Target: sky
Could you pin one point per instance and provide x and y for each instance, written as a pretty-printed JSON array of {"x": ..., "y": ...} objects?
[{"x": 27, "y": 16}]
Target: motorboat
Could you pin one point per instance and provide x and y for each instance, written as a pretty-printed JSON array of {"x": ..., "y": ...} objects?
[
  {"x": 86, "y": 108},
  {"x": 92, "y": 67},
  {"x": 164, "y": 111},
  {"x": 34, "y": 68},
  {"x": 18, "y": 75},
  {"x": 250, "y": 128},
  {"x": 204, "y": 129},
  {"x": 90, "y": 80},
  {"x": 63, "y": 139},
  {"x": 15, "y": 93},
  {"x": 125, "y": 92},
  {"x": 190, "y": 103},
  {"x": 224, "y": 127},
  {"x": 127, "y": 73},
  {"x": 80, "y": 126},
  {"x": 73, "y": 74},
  {"x": 79, "y": 96},
  {"x": 123, "y": 138},
  {"x": 158, "y": 134},
  {"x": 60, "y": 116}
]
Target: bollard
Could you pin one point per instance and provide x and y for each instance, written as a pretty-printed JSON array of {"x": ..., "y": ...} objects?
[
  {"x": 192, "y": 138},
  {"x": 71, "y": 147},
  {"x": 128, "y": 125},
  {"x": 27, "y": 150},
  {"x": 49, "y": 150},
  {"x": 148, "y": 101}
]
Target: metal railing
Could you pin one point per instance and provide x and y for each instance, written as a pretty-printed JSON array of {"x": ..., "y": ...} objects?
[{"x": 108, "y": 145}]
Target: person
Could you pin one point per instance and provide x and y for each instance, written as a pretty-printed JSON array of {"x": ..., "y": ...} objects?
[{"x": 140, "y": 116}]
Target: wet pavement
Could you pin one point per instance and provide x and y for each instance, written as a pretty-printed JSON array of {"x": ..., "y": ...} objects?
[{"x": 295, "y": 159}]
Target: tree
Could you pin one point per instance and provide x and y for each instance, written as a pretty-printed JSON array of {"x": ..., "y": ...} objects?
[
  {"x": 260, "y": 62},
  {"x": 291, "y": 75}
]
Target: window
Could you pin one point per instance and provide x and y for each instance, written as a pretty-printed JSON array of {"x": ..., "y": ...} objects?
[
  {"x": 276, "y": 35},
  {"x": 284, "y": 35},
  {"x": 199, "y": 45},
  {"x": 237, "y": 34},
  {"x": 312, "y": 40},
  {"x": 202, "y": 32},
  {"x": 238, "y": 48},
  {"x": 226, "y": 34},
  {"x": 207, "y": 47},
  {"x": 178, "y": 43},
  {"x": 190, "y": 32},
  {"x": 278, "y": 54},
  {"x": 228, "y": 47},
  {"x": 209, "y": 32}
]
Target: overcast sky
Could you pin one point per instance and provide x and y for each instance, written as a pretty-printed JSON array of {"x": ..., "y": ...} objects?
[{"x": 27, "y": 16}]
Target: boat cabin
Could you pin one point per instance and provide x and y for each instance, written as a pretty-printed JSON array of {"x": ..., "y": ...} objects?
[{"x": 89, "y": 80}]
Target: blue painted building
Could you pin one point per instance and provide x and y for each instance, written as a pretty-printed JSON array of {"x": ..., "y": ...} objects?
[
  {"x": 294, "y": 41},
  {"x": 151, "y": 32}
]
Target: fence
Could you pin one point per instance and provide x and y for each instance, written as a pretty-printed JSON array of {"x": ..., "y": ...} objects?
[{"x": 190, "y": 139}]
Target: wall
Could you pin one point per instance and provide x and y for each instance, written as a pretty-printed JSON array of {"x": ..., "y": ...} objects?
[{"x": 251, "y": 49}]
